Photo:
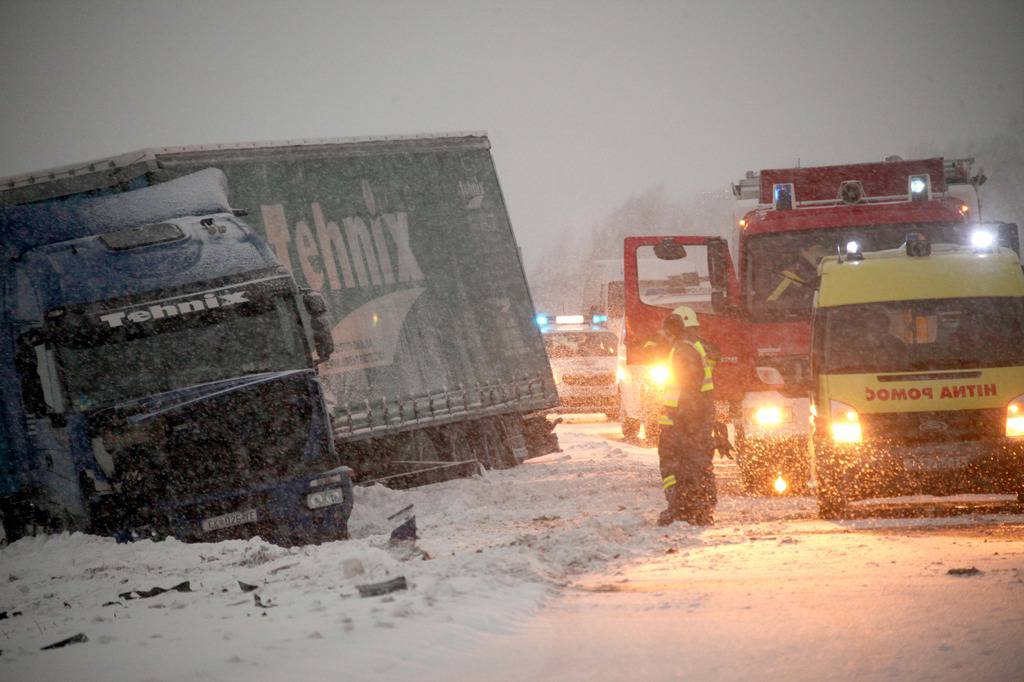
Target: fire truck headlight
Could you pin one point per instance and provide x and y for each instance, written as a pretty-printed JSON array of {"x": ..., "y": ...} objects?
[
  {"x": 658, "y": 374},
  {"x": 982, "y": 239},
  {"x": 845, "y": 423},
  {"x": 1015, "y": 418},
  {"x": 771, "y": 415}
]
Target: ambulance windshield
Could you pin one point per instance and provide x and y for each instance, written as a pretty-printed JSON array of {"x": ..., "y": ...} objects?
[{"x": 962, "y": 333}]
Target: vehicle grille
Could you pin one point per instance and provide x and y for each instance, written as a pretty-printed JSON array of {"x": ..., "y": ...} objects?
[
  {"x": 589, "y": 379},
  {"x": 951, "y": 425},
  {"x": 250, "y": 436}
]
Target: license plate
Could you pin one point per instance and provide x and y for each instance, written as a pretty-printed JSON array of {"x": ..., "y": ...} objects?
[
  {"x": 325, "y": 498},
  {"x": 229, "y": 520},
  {"x": 935, "y": 463}
]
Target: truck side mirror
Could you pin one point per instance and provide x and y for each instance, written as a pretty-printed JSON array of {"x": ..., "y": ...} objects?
[
  {"x": 323, "y": 342},
  {"x": 28, "y": 374}
]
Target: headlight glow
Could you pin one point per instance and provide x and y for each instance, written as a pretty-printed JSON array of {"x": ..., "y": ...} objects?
[
  {"x": 780, "y": 484},
  {"x": 659, "y": 374},
  {"x": 845, "y": 423},
  {"x": 1015, "y": 418},
  {"x": 768, "y": 415},
  {"x": 620, "y": 374}
]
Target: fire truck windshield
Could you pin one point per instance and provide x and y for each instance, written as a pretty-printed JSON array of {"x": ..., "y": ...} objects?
[
  {"x": 959, "y": 333},
  {"x": 781, "y": 267}
]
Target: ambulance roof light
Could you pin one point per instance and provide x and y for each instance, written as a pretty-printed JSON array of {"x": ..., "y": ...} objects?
[
  {"x": 917, "y": 245},
  {"x": 982, "y": 240},
  {"x": 853, "y": 251}
]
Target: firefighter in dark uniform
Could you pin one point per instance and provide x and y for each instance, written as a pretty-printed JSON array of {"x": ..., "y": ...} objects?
[{"x": 686, "y": 444}]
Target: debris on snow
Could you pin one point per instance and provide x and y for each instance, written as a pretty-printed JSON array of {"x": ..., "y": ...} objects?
[
  {"x": 246, "y": 587},
  {"x": 964, "y": 571},
  {"x": 377, "y": 589},
  {"x": 73, "y": 639},
  {"x": 146, "y": 594}
]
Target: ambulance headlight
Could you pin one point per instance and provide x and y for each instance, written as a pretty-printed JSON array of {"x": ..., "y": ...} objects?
[
  {"x": 845, "y": 423},
  {"x": 1015, "y": 418},
  {"x": 982, "y": 239},
  {"x": 658, "y": 374},
  {"x": 852, "y": 247},
  {"x": 541, "y": 320}
]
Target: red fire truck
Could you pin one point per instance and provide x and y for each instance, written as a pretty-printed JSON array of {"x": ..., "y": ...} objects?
[{"x": 758, "y": 311}]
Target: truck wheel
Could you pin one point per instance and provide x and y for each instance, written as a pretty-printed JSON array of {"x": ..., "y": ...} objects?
[
  {"x": 831, "y": 506},
  {"x": 832, "y": 501},
  {"x": 630, "y": 428},
  {"x": 753, "y": 480},
  {"x": 652, "y": 429}
]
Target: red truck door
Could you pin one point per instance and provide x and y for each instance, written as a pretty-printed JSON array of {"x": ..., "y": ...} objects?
[{"x": 662, "y": 273}]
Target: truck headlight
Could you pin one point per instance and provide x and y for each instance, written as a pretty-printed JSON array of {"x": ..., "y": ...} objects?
[
  {"x": 1015, "y": 418},
  {"x": 325, "y": 498},
  {"x": 658, "y": 374},
  {"x": 845, "y": 423}
]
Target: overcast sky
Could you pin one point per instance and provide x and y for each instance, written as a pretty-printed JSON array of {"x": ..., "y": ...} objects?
[{"x": 586, "y": 102}]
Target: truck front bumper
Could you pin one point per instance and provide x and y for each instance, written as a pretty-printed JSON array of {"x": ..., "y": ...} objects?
[
  {"x": 936, "y": 468},
  {"x": 305, "y": 510}
]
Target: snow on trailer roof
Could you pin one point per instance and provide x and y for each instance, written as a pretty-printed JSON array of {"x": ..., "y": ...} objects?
[
  {"x": 113, "y": 170},
  {"x": 951, "y": 271}
]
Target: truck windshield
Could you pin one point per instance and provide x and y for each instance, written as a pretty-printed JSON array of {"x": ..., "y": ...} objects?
[
  {"x": 104, "y": 366},
  {"x": 782, "y": 267},
  {"x": 580, "y": 344},
  {"x": 961, "y": 333}
]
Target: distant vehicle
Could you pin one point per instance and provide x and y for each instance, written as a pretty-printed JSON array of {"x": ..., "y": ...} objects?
[
  {"x": 918, "y": 372},
  {"x": 583, "y": 354},
  {"x": 759, "y": 313},
  {"x": 159, "y": 374}
]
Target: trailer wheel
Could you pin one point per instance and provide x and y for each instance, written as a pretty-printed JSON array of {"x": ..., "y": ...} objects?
[
  {"x": 832, "y": 501},
  {"x": 630, "y": 428}
]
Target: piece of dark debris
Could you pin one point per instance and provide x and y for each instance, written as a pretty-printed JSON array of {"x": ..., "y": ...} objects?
[
  {"x": 146, "y": 594},
  {"x": 80, "y": 638},
  {"x": 4, "y": 615},
  {"x": 262, "y": 604},
  {"x": 246, "y": 587},
  {"x": 963, "y": 571},
  {"x": 377, "y": 589}
]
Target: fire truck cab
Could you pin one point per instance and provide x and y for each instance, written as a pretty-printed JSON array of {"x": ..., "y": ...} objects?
[{"x": 918, "y": 372}]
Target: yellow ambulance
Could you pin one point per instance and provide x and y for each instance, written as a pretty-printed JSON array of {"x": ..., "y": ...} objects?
[{"x": 917, "y": 364}]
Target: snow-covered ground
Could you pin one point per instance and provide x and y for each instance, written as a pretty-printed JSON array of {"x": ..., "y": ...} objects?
[{"x": 552, "y": 570}]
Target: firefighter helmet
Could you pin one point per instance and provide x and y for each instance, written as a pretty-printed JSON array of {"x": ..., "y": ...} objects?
[{"x": 686, "y": 315}]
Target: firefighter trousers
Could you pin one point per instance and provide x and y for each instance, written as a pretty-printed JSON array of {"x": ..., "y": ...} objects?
[{"x": 685, "y": 454}]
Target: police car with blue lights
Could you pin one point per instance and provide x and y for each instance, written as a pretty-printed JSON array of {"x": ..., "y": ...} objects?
[{"x": 583, "y": 354}]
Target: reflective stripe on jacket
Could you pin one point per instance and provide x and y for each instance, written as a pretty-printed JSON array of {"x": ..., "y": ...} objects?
[{"x": 670, "y": 397}]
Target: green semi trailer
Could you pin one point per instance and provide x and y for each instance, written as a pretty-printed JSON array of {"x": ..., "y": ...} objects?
[{"x": 437, "y": 363}]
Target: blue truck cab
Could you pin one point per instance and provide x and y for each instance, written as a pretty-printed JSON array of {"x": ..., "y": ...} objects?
[{"x": 159, "y": 374}]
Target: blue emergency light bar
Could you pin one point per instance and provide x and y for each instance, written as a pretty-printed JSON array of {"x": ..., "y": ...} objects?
[{"x": 544, "y": 320}]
